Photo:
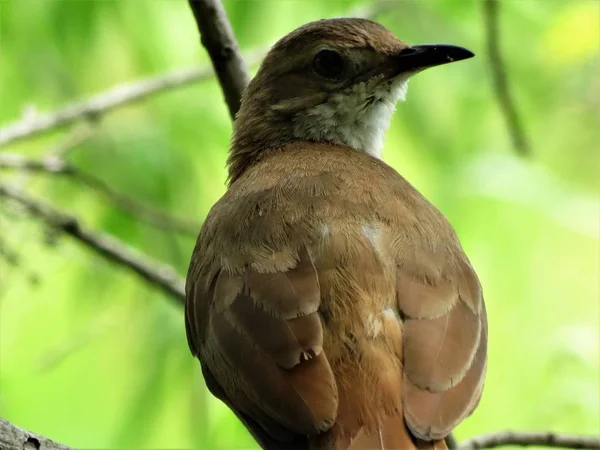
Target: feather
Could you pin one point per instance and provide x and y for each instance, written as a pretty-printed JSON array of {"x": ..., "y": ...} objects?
[
  {"x": 433, "y": 415},
  {"x": 438, "y": 352}
]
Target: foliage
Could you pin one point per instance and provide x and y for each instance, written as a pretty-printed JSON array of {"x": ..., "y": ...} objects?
[{"x": 95, "y": 359}]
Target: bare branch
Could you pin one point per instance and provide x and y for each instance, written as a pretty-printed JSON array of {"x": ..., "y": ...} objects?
[
  {"x": 217, "y": 37},
  {"x": 161, "y": 275},
  {"x": 451, "y": 442},
  {"x": 501, "y": 88},
  {"x": 544, "y": 439},
  {"x": 50, "y": 164},
  {"x": 153, "y": 216},
  {"x": 73, "y": 140},
  {"x": 15, "y": 438},
  {"x": 58, "y": 166},
  {"x": 94, "y": 107},
  {"x": 79, "y": 135},
  {"x": 14, "y": 259}
]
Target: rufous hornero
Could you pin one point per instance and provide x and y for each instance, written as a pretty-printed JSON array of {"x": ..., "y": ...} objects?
[{"x": 330, "y": 304}]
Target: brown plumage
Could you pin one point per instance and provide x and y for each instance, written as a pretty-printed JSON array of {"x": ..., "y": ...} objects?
[{"x": 330, "y": 304}]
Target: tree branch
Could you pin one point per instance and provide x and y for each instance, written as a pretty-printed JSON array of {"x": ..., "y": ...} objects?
[
  {"x": 58, "y": 166},
  {"x": 451, "y": 442},
  {"x": 94, "y": 107},
  {"x": 497, "y": 66},
  {"x": 217, "y": 37},
  {"x": 15, "y": 438},
  {"x": 544, "y": 439},
  {"x": 158, "y": 274}
]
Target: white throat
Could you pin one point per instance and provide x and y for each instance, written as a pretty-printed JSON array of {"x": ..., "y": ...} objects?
[{"x": 357, "y": 117}]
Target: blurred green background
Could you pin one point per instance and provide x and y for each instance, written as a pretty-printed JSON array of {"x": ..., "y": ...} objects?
[{"x": 94, "y": 358}]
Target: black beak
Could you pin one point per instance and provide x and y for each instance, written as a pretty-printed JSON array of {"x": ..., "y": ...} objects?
[{"x": 419, "y": 57}]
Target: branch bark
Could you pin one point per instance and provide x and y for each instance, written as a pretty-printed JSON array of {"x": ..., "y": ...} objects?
[
  {"x": 94, "y": 107},
  {"x": 58, "y": 166},
  {"x": 15, "y": 438},
  {"x": 497, "y": 66},
  {"x": 160, "y": 275},
  {"x": 543, "y": 439},
  {"x": 217, "y": 37}
]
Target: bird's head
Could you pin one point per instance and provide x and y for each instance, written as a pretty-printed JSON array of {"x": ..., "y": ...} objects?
[{"x": 333, "y": 80}]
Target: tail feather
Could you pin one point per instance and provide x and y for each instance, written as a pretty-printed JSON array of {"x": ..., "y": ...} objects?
[{"x": 392, "y": 434}]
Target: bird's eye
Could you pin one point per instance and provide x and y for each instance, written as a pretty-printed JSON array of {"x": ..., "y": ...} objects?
[{"x": 328, "y": 64}]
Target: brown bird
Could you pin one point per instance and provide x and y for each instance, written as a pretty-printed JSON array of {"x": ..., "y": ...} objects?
[{"x": 330, "y": 304}]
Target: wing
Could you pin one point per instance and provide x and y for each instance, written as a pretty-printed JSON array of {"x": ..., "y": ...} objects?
[
  {"x": 445, "y": 345},
  {"x": 259, "y": 337}
]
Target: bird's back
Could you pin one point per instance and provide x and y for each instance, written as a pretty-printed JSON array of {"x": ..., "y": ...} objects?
[{"x": 402, "y": 324}]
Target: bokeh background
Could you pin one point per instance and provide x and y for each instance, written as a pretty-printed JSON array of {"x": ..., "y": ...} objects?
[{"x": 94, "y": 358}]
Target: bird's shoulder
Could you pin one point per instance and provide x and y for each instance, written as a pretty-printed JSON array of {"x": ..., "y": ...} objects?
[{"x": 291, "y": 195}]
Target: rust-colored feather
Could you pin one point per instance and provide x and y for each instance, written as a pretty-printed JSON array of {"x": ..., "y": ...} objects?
[
  {"x": 433, "y": 415},
  {"x": 438, "y": 352}
]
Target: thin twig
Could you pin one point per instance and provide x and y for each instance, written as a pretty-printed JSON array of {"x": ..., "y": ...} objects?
[
  {"x": 161, "y": 275},
  {"x": 153, "y": 216},
  {"x": 94, "y": 107},
  {"x": 451, "y": 442},
  {"x": 544, "y": 439},
  {"x": 507, "y": 104},
  {"x": 13, "y": 258},
  {"x": 217, "y": 37},
  {"x": 50, "y": 164},
  {"x": 74, "y": 139},
  {"x": 78, "y": 136},
  {"x": 15, "y": 438},
  {"x": 58, "y": 166}
]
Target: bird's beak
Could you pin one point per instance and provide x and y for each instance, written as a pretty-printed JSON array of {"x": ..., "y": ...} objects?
[{"x": 419, "y": 57}]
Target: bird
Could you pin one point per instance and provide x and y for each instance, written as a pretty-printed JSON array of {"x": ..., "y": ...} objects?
[{"x": 330, "y": 304}]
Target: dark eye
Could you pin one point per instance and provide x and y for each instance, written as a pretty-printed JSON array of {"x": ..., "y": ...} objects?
[{"x": 328, "y": 64}]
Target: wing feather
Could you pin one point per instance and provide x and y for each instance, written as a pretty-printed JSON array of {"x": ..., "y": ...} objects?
[
  {"x": 433, "y": 415},
  {"x": 439, "y": 351},
  {"x": 260, "y": 336},
  {"x": 445, "y": 345}
]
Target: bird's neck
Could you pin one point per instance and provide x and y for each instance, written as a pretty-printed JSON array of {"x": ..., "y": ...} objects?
[
  {"x": 356, "y": 118},
  {"x": 257, "y": 132}
]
